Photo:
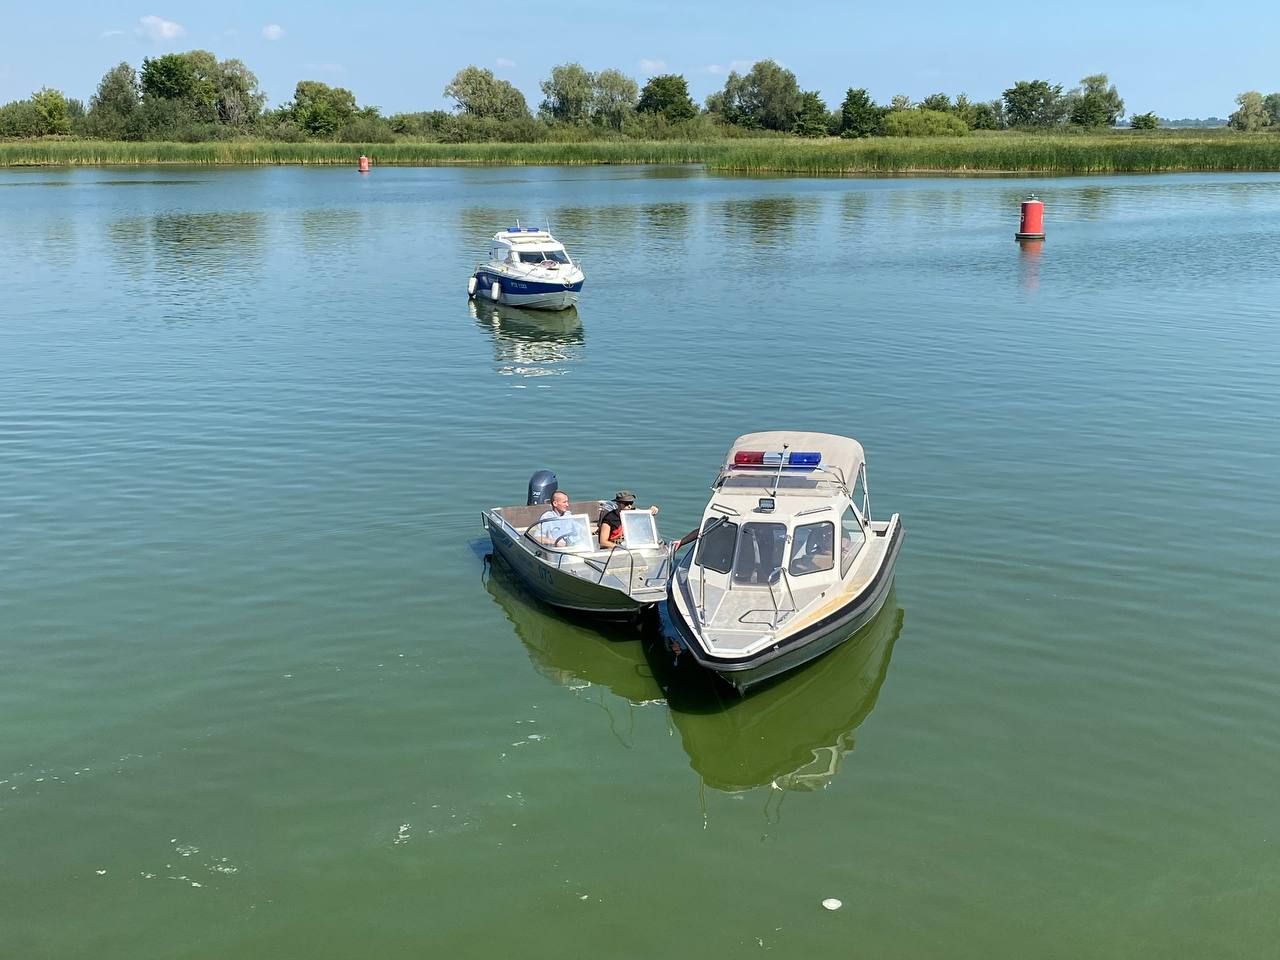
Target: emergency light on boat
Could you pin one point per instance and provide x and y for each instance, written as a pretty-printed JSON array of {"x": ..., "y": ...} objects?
[
  {"x": 522, "y": 229},
  {"x": 796, "y": 459}
]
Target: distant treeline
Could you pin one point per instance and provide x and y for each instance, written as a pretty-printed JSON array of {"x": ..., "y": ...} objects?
[{"x": 194, "y": 97}]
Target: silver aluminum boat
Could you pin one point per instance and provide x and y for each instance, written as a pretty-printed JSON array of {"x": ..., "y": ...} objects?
[
  {"x": 561, "y": 562},
  {"x": 788, "y": 562}
]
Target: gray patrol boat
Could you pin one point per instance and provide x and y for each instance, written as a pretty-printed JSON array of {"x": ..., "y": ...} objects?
[
  {"x": 788, "y": 561},
  {"x": 560, "y": 560}
]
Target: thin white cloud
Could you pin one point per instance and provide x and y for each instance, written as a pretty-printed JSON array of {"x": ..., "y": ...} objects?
[
  {"x": 113, "y": 33},
  {"x": 741, "y": 66},
  {"x": 505, "y": 64},
  {"x": 652, "y": 66},
  {"x": 273, "y": 31},
  {"x": 159, "y": 29}
]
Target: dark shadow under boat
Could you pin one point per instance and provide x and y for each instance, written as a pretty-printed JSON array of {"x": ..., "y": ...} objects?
[
  {"x": 606, "y": 654},
  {"x": 793, "y": 732}
]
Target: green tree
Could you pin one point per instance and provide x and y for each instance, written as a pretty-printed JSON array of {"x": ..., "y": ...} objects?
[
  {"x": 923, "y": 123},
  {"x": 479, "y": 93},
  {"x": 613, "y": 98},
  {"x": 237, "y": 99},
  {"x": 859, "y": 115},
  {"x": 1034, "y": 103},
  {"x": 1272, "y": 102},
  {"x": 988, "y": 116},
  {"x": 1252, "y": 113},
  {"x": 51, "y": 112},
  {"x": 568, "y": 94},
  {"x": 812, "y": 118},
  {"x": 320, "y": 109},
  {"x": 1095, "y": 104},
  {"x": 900, "y": 101},
  {"x": 766, "y": 97},
  {"x": 18, "y": 119},
  {"x": 170, "y": 77},
  {"x": 938, "y": 102},
  {"x": 965, "y": 110},
  {"x": 668, "y": 95},
  {"x": 114, "y": 104},
  {"x": 1144, "y": 121}
]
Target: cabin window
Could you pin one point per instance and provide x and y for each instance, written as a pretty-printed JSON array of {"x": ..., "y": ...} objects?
[
  {"x": 715, "y": 547},
  {"x": 759, "y": 553},
  {"x": 852, "y": 537},
  {"x": 813, "y": 548},
  {"x": 537, "y": 256}
]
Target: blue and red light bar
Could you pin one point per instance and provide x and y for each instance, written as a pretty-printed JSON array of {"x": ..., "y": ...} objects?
[{"x": 791, "y": 459}]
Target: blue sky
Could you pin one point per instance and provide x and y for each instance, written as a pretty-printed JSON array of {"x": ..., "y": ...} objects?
[{"x": 1178, "y": 58}]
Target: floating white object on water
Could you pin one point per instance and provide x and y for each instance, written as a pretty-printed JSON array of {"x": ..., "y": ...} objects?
[{"x": 831, "y": 903}]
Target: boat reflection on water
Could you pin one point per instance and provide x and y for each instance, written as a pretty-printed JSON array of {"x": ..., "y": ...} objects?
[
  {"x": 530, "y": 343},
  {"x": 608, "y": 655},
  {"x": 793, "y": 733}
]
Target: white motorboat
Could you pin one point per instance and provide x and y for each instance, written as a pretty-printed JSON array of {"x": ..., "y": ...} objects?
[
  {"x": 561, "y": 562},
  {"x": 527, "y": 267},
  {"x": 788, "y": 562}
]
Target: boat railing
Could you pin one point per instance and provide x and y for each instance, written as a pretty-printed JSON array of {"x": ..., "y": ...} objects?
[
  {"x": 780, "y": 574},
  {"x": 604, "y": 568}
]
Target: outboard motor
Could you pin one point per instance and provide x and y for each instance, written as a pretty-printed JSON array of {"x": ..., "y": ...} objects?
[{"x": 541, "y": 486}]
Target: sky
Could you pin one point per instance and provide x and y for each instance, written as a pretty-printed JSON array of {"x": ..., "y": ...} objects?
[{"x": 1178, "y": 58}]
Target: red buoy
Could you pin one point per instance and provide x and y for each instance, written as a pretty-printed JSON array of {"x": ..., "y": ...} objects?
[
  {"x": 364, "y": 164},
  {"x": 1032, "y": 226}
]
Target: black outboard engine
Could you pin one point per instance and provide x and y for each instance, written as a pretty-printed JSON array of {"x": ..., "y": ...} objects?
[{"x": 541, "y": 486}]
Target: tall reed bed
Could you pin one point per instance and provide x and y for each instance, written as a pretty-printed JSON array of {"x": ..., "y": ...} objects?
[{"x": 1114, "y": 152}]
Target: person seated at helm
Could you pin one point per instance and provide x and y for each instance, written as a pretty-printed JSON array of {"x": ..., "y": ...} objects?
[
  {"x": 611, "y": 522},
  {"x": 816, "y": 553},
  {"x": 556, "y": 527}
]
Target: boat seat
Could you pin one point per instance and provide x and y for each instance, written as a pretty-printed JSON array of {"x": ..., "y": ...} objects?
[{"x": 522, "y": 518}]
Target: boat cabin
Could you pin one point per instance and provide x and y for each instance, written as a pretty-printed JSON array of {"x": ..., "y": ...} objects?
[
  {"x": 529, "y": 247},
  {"x": 782, "y": 528}
]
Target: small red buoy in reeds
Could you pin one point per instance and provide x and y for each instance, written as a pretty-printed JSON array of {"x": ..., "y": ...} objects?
[
  {"x": 1032, "y": 226},
  {"x": 363, "y": 164}
]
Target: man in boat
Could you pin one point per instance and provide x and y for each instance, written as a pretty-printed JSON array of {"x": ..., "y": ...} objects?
[
  {"x": 611, "y": 522},
  {"x": 556, "y": 527}
]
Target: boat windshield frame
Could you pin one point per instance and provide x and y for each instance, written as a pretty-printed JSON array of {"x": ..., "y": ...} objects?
[
  {"x": 582, "y": 543},
  {"x": 639, "y": 529}
]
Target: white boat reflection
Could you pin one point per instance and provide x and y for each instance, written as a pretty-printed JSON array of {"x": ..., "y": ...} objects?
[{"x": 530, "y": 343}]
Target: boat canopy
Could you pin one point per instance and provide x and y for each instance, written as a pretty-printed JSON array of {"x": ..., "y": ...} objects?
[
  {"x": 525, "y": 237},
  {"x": 815, "y": 455}
]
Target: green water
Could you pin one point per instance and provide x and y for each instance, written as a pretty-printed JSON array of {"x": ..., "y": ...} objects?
[{"x": 260, "y": 694}]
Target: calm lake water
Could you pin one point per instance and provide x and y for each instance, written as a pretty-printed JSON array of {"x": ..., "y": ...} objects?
[{"x": 260, "y": 695}]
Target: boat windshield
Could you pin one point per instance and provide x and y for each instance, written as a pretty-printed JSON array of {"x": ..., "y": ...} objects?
[
  {"x": 639, "y": 529},
  {"x": 570, "y": 531},
  {"x": 759, "y": 554},
  {"x": 537, "y": 256},
  {"x": 715, "y": 546}
]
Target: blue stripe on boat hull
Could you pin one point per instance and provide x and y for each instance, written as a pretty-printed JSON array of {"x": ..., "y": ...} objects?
[{"x": 529, "y": 293}]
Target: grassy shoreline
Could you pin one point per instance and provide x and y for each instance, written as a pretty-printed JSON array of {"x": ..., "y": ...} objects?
[{"x": 1111, "y": 152}]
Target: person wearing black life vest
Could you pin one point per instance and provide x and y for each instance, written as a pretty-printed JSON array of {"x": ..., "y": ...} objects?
[{"x": 611, "y": 522}]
